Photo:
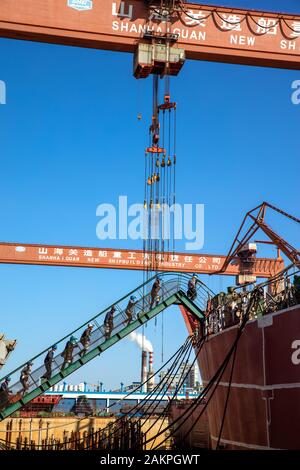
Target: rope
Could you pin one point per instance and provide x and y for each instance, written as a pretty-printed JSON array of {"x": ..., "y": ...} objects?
[
  {"x": 180, "y": 383},
  {"x": 162, "y": 386},
  {"x": 217, "y": 377},
  {"x": 227, "y": 398},
  {"x": 175, "y": 356}
]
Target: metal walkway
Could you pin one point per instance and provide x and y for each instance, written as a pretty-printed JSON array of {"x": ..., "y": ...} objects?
[{"x": 173, "y": 291}]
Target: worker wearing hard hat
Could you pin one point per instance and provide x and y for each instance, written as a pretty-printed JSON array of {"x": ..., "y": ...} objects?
[
  {"x": 67, "y": 353},
  {"x": 5, "y": 393},
  {"x": 192, "y": 287},
  {"x": 154, "y": 292},
  {"x": 130, "y": 309},
  {"x": 49, "y": 359},
  {"x": 24, "y": 377},
  {"x": 85, "y": 339},
  {"x": 109, "y": 322}
]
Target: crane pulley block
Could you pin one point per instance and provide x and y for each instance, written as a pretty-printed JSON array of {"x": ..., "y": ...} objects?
[
  {"x": 157, "y": 58},
  {"x": 155, "y": 150},
  {"x": 167, "y": 104}
]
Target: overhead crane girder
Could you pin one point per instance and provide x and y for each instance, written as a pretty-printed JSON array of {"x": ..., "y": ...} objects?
[
  {"x": 205, "y": 32},
  {"x": 95, "y": 257}
]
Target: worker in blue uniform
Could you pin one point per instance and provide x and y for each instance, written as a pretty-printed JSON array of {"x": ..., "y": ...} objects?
[
  {"x": 5, "y": 393},
  {"x": 129, "y": 311},
  {"x": 109, "y": 322},
  {"x": 24, "y": 377},
  {"x": 48, "y": 361},
  {"x": 67, "y": 353},
  {"x": 192, "y": 287},
  {"x": 85, "y": 339},
  {"x": 154, "y": 297}
]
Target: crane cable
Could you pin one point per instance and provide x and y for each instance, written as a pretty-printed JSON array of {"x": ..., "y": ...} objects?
[
  {"x": 180, "y": 384},
  {"x": 175, "y": 357},
  {"x": 227, "y": 397},
  {"x": 216, "y": 377},
  {"x": 163, "y": 385}
]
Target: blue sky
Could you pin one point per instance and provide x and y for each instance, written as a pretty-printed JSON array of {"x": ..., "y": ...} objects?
[{"x": 70, "y": 140}]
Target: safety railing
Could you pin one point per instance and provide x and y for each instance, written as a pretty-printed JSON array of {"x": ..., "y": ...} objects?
[
  {"x": 278, "y": 293},
  {"x": 22, "y": 382}
]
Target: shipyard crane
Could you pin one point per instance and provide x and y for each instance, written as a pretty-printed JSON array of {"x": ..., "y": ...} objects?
[
  {"x": 96, "y": 257},
  {"x": 198, "y": 32},
  {"x": 161, "y": 34},
  {"x": 257, "y": 218}
]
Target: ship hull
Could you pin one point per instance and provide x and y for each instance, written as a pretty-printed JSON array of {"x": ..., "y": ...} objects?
[{"x": 263, "y": 409}]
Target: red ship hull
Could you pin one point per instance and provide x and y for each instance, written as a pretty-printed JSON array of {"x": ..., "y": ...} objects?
[{"x": 263, "y": 409}]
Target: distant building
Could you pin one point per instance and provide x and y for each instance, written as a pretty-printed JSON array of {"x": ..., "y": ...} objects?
[{"x": 187, "y": 377}]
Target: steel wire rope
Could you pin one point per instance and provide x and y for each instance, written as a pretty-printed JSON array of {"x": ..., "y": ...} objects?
[
  {"x": 234, "y": 350},
  {"x": 175, "y": 356},
  {"x": 227, "y": 398},
  {"x": 163, "y": 386},
  {"x": 185, "y": 374},
  {"x": 217, "y": 376},
  {"x": 248, "y": 309},
  {"x": 101, "y": 313},
  {"x": 174, "y": 163},
  {"x": 170, "y": 178},
  {"x": 165, "y": 274},
  {"x": 122, "y": 399},
  {"x": 178, "y": 387},
  {"x": 160, "y": 386},
  {"x": 170, "y": 377},
  {"x": 141, "y": 405}
]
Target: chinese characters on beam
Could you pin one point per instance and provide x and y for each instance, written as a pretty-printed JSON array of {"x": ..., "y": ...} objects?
[
  {"x": 247, "y": 23},
  {"x": 112, "y": 258},
  {"x": 90, "y": 257}
]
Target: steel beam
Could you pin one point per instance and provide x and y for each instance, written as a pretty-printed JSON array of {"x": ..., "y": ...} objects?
[
  {"x": 210, "y": 33},
  {"x": 92, "y": 257}
]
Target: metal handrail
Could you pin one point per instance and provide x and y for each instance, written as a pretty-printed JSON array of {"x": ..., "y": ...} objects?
[{"x": 171, "y": 285}]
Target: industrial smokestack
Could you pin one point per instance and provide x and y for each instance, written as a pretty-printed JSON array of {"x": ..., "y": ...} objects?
[
  {"x": 144, "y": 371},
  {"x": 150, "y": 383},
  {"x": 145, "y": 346},
  {"x": 141, "y": 341},
  {"x": 151, "y": 361}
]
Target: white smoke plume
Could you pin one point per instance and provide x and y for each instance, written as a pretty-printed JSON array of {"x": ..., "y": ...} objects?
[{"x": 141, "y": 341}]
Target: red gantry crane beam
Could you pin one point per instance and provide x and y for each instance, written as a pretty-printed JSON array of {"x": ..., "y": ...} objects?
[
  {"x": 256, "y": 219},
  {"x": 87, "y": 257},
  {"x": 204, "y": 32}
]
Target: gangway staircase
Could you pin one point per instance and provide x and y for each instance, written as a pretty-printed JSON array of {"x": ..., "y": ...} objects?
[{"x": 173, "y": 292}]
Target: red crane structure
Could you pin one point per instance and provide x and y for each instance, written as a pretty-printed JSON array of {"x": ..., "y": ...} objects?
[
  {"x": 161, "y": 34},
  {"x": 257, "y": 217},
  {"x": 92, "y": 257},
  {"x": 200, "y": 32}
]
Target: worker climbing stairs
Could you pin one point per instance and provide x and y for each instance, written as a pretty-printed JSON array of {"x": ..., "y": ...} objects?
[{"x": 33, "y": 378}]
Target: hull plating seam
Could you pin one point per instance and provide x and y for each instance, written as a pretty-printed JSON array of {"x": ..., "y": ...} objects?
[
  {"x": 243, "y": 444},
  {"x": 258, "y": 387}
]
